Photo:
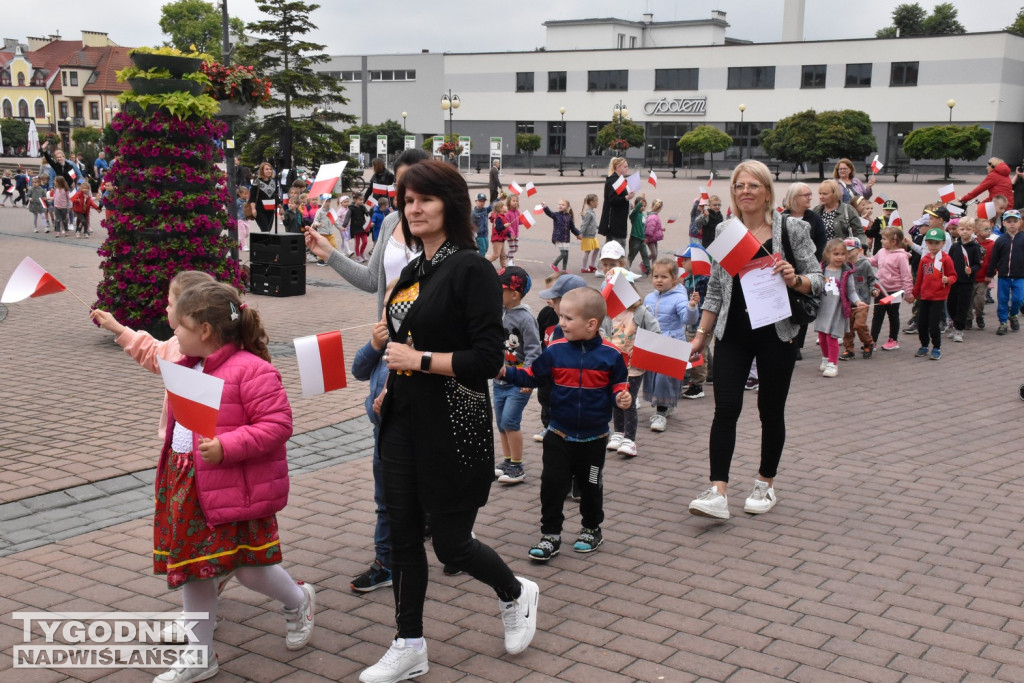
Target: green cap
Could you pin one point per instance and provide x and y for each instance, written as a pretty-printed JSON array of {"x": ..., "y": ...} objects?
[{"x": 935, "y": 235}]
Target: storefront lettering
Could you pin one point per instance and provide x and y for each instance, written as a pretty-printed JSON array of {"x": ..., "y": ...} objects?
[{"x": 683, "y": 106}]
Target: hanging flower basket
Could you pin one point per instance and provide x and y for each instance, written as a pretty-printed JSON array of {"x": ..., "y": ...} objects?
[
  {"x": 233, "y": 110},
  {"x": 165, "y": 86},
  {"x": 178, "y": 66}
]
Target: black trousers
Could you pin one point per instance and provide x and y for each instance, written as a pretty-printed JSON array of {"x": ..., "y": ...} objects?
[
  {"x": 929, "y": 315},
  {"x": 564, "y": 460},
  {"x": 775, "y": 361},
  {"x": 959, "y": 303},
  {"x": 892, "y": 311}
]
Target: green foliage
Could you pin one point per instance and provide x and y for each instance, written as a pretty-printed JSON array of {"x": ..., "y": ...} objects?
[
  {"x": 314, "y": 142},
  {"x": 86, "y": 134},
  {"x": 169, "y": 51},
  {"x": 846, "y": 133},
  {"x": 15, "y": 133},
  {"x": 1018, "y": 23},
  {"x": 199, "y": 23},
  {"x": 810, "y": 136},
  {"x": 943, "y": 21},
  {"x": 632, "y": 133},
  {"x": 130, "y": 72},
  {"x": 527, "y": 142},
  {"x": 966, "y": 143},
  {"x": 914, "y": 20},
  {"x": 704, "y": 140},
  {"x": 368, "y": 136},
  {"x": 179, "y": 104},
  {"x": 428, "y": 141}
]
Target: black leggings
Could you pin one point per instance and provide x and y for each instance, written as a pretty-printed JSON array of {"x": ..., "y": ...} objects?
[
  {"x": 893, "y": 313},
  {"x": 930, "y": 314},
  {"x": 775, "y": 361}
]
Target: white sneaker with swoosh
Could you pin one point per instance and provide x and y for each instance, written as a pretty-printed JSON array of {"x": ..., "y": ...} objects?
[
  {"x": 520, "y": 617},
  {"x": 300, "y": 620}
]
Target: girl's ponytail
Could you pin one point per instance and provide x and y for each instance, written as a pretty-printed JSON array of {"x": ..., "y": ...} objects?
[
  {"x": 231, "y": 319},
  {"x": 252, "y": 335}
]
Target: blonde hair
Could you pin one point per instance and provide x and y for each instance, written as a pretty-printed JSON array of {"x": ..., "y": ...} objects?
[
  {"x": 220, "y": 305},
  {"x": 590, "y": 302},
  {"x": 613, "y": 162},
  {"x": 186, "y": 278},
  {"x": 831, "y": 246},
  {"x": 762, "y": 175},
  {"x": 568, "y": 206},
  {"x": 656, "y": 206},
  {"x": 499, "y": 206},
  {"x": 833, "y": 188},
  {"x": 588, "y": 199},
  {"x": 792, "y": 192},
  {"x": 666, "y": 262}
]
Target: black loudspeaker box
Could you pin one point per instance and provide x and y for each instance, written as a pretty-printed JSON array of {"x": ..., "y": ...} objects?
[
  {"x": 279, "y": 249},
  {"x": 274, "y": 280}
]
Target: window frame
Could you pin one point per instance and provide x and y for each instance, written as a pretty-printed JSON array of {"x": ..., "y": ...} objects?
[
  {"x": 804, "y": 73},
  {"x": 592, "y": 85},
  {"x": 755, "y": 73},
  {"x": 905, "y": 67},
  {"x": 858, "y": 77},
  {"x": 660, "y": 73},
  {"x": 525, "y": 81},
  {"x": 564, "y": 80}
]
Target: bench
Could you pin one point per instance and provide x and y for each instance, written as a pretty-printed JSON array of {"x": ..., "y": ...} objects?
[
  {"x": 775, "y": 167},
  {"x": 896, "y": 170},
  {"x": 562, "y": 168},
  {"x": 674, "y": 170}
]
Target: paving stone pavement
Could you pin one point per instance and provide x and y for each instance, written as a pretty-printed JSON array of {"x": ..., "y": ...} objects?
[{"x": 894, "y": 554}]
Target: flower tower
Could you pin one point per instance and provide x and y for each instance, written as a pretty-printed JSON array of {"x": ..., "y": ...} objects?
[{"x": 168, "y": 207}]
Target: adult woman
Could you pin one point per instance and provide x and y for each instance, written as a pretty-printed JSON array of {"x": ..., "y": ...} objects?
[
  {"x": 59, "y": 166},
  {"x": 386, "y": 263},
  {"x": 263, "y": 197},
  {"x": 381, "y": 176},
  {"x": 736, "y": 345},
  {"x": 846, "y": 175},
  {"x": 797, "y": 205},
  {"x": 841, "y": 220},
  {"x": 996, "y": 182},
  {"x": 614, "y": 224},
  {"x": 436, "y": 434}
]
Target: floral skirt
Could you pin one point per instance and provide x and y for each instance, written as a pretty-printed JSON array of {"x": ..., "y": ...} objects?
[{"x": 186, "y": 549}]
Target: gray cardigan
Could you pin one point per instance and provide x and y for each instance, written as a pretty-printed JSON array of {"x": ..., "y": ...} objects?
[
  {"x": 719, "y": 293},
  {"x": 369, "y": 277}
]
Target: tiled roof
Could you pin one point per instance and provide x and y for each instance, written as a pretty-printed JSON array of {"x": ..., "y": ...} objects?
[
  {"x": 112, "y": 60},
  {"x": 105, "y": 61}
]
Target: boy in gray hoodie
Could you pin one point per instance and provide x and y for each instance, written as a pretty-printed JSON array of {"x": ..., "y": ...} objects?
[{"x": 864, "y": 280}]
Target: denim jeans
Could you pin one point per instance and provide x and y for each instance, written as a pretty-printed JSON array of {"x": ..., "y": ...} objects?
[
  {"x": 1009, "y": 297},
  {"x": 509, "y": 403},
  {"x": 382, "y": 531}
]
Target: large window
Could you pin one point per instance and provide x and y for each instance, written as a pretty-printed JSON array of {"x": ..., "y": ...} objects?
[
  {"x": 858, "y": 75},
  {"x": 675, "y": 79},
  {"x": 593, "y": 128},
  {"x": 23, "y": 109},
  {"x": 21, "y": 79},
  {"x": 63, "y": 109},
  {"x": 392, "y": 75},
  {"x": 556, "y": 137},
  {"x": 616, "y": 79},
  {"x": 903, "y": 74},
  {"x": 94, "y": 111},
  {"x": 524, "y": 127},
  {"x": 751, "y": 77},
  {"x": 74, "y": 78},
  {"x": 524, "y": 81},
  {"x": 40, "y": 109},
  {"x": 745, "y": 136},
  {"x": 812, "y": 76},
  {"x": 8, "y": 109},
  {"x": 79, "y": 110},
  {"x": 556, "y": 81}
]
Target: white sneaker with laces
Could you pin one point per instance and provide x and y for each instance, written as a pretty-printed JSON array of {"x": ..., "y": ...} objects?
[
  {"x": 614, "y": 441},
  {"x": 520, "y": 617},
  {"x": 300, "y": 620},
  {"x": 761, "y": 499},
  {"x": 824, "y": 364},
  {"x": 831, "y": 370},
  {"x": 627, "y": 448},
  {"x": 184, "y": 670},
  {"x": 711, "y": 503},
  {"x": 658, "y": 422},
  {"x": 400, "y": 663}
]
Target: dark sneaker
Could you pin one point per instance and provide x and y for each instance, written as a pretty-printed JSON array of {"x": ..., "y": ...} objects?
[
  {"x": 450, "y": 570},
  {"x": 981, "y": 322},
  {"x": 847, "y": 355},
  {"x": 1014, "y": 324},
  {"x": 513, "y": 474},
  {"x": 751, "y": 384},
  {"x": 499, "y": 469},
  {"x": 546, "y": 548},
  {"x": 921, "y": 352},
  {"x": 694, "y": 391},
  {"x": 969, "y": 325},
  {"x": 936, "y": 354},
  {"x": 377, "y": 576},
  {"x": 988, "y": 297},
  {"x": 911, "y": 328},
  {"x": 588, "y": 541},
  {"x": 1001, "y": 330},
  {"x": 868, "y": 351}
]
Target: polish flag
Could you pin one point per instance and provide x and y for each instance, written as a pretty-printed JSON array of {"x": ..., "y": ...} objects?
[
  {"x": 392, "y": 191},
  {"x": 327, "y": 177},
  {"x": 704, "y": 194},
  {"x": 865, "y": 223},
  {"x": 700, "y": 262},
  {"x": 947, "y": 193},
  {"x": 893, "y": 298},
  {"x": 71, "y": 172},
  {"x": 881, "y": 198},
  {"x": 194, "y": 396},
  {"x": 514, "y": 188},
  {"x": 321, "y": 363},
  {"x": 734, "y": 247},
  {"x": 653, "y": 179},
  {"x": 527, "y": 221},
  {"x": 380, "y": 189},
  {"x": 29, "y": 280},
  {"x": 987, "y": 210},
  {"x": 955, "y": 210},
  {"x": 895, "y": 220},
  {"x": 658, "y": 353},
  {"x": 619, "y": 185},
  {"x": 284, "y": 200},
  {"x": 371, "y": 202},
  {"x": 618, "y": 294},
  {"x": 74, "y": 193},
  {"x": 538, "y": 210},
  {"x": 672, "y": 220},
  {"x": 9, "y": 189},
  {"x": 331, "y": 216},
  {"x": 876, "y": 165},
  {"x": 530, "y": 190}
]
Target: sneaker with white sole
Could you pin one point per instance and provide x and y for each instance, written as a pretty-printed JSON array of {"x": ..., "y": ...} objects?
[
  {"x": 658, "y": 422},
  {"x": 614, "y": 441},
  {"x": 400, "y": 663},
  {"x": 520, "y": 617},
  {"x": 890, "y": 345},
  {"x": 831, "y": 370},
  {"x": 184, "y": 669},
  {"x": 499, "y": 469},
  {"x": 627, "y": 448},
  {"x": 958, "y": 336},
  {"x": 539, "y": 436},
  {"x": 711, "y": 503},
  {"x": 824, "y": 364},
  {"x": 761, "y": 499},
  {"x": 694, "y": 391},
  {"x": 513, "y": 474},
  {"x": 300, "y": 620}
]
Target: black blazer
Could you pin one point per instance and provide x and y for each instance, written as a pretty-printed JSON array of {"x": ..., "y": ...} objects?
[{"x": 615, "y": 212}]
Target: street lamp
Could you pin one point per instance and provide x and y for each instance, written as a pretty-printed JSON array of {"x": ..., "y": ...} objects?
[
  {"x": 949, "y": 103},
  {"x": 743, "y": 108},
  {"x": 449, "y": 103},
  {"x": 561, "y": 143},
  {"x": 404, "y": 114},
  {"x": 619, "y": 111}
]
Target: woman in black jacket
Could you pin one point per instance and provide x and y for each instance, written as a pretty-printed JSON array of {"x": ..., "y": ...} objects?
[
  {"x": 381, "y": 176},
  {"x": 263, "y": 197},
  {"x": 614, "y": 223},
  {"x": 436, "y": 433}
]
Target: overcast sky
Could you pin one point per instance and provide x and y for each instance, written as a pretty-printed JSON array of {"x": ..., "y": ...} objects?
[{"x": 473, "y": 26}]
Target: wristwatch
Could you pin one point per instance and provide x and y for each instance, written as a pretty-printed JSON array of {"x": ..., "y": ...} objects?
[{"x": 425, "y": 361}]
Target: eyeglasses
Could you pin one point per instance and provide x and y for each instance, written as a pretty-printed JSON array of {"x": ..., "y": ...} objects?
[
  {"x": 742, "y": 187},
  {"x": 807, "y": 195}
]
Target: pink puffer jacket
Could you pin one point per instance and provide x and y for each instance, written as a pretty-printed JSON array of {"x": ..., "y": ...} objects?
[{"x": 253, "y": 426}]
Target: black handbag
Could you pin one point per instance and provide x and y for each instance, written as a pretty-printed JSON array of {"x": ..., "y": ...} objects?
[{"x": 804, "y": 307}]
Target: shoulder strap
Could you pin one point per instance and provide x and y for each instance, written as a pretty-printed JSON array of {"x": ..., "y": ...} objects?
[{"x": 787, "y": 247}]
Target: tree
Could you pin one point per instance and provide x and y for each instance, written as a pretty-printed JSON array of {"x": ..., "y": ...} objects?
[
  {"x": 529, "y": 143},
  {"x": 87, "y": 143},
  {"x": 966, "y": 143},
  {"x": 198, "y": 23},
  {"x": 914, "y": 20},
  {"x": 704, "y": 140},
  {"x": 943, "y": 21},
  {"x": 279, "y": 53},
  {"x": 14, "y": 133},
  {"x": 814, "y": 137},
  {"x": 625, "y": 129},
  {"x": 1018, "y": 24},
  {"x": 368, "y": 136}
]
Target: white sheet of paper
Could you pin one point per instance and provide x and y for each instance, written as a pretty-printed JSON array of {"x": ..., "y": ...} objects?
[
  {"x": 633, "y": 182},
  {"x": 765, "y": 293}
]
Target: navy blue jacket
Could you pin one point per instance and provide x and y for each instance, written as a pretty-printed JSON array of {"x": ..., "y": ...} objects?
[{"x": 1008, "y": 256}]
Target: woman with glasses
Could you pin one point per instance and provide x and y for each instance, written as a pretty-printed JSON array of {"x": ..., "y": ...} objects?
[
  {"x": 997, "y": 182},
  {"x": 846, "y": 175},
  {"x": 841, "y": 220},
  {"x": 737, "y": 344}
]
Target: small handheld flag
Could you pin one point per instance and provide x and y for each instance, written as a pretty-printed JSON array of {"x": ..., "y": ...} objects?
[
  {"x": 659, "y": 353},
  {"x": 194, "y": 396},
  {"x": 653, "y": 179},
  {"x": 947, "y": 193},
  {"x": 619, "y": 185},
  {"x": 618, "y": 294},
  {"x": 29, "y": 280},
  {"x": 700, "y": 262},
  {"x": 734, "y": 247},
  {"x": 987, "y": 210},
  {"x": 527, "y": 220},
  {"x": 380, "y": 189},
  {"x": 538, "y": 210},
  {"x": 530, "y": 190},
  {"x": 321, "y": 363},
  {"x": 895, "y": 220},
  {"x": 392, "y": 191},
  {"x": 876, "y": 165},
  {"x": 893, "y": 298},
  {"x": 514, "y": 188},
  {"x": 327, "y": 177}
]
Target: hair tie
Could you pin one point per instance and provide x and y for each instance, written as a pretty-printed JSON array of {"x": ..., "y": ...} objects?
[{"x": 244, "y": 306}]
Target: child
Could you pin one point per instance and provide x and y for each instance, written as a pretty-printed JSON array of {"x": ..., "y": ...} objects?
[
  {"x": 309, "y": 208},
  {"x": 874, "y": 231},
  {"x": 7, "y": 193},
  {"x": 893, "y": 274},
  {"x": 588, "y": 234},
  {"x": 547, "y": 321},
  {"x": 612, "y": 256},
  {"x": 81, "y": 204},
  {"x": 217, "y": 497},
  {"x": 323, "y": 224},
  {"x": 61, "y": 206},
  {"x": 674, "y": 310},
  {"x": 522, "y": 346},
  {"x": 480, "y": 211},
  {"x": 864, "y": 281},
  {"x": 695, "y": 284},
  {"x": 499, "y": 235},
  {"x": 935, "y": 275},
  {"x": 512, "y": 215},
  {"x": 621, "y": 332},
  {"x": 563, "y": 224},
  {"x": 983, "y": 231},
  {"x": 708, "y": 220},
  {"x": 966, "y": 255},
  {"x": 1008, "y": 262},
  {"x": 379, "y": 214},
  {"x": 241, "y": 199},
  {"x": 36, "y": 204},
  {"x": 291, "y": 211},
  {"x": 637, "y": 236},
  {"x": 838, "y": 296},
  {"x": 653, "y": 232},
  {"x": 574, "y": 446},
  {"x": 357, "y": 225}
]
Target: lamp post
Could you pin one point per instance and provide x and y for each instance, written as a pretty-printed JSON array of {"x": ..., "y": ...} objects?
[
  {"x": 561, "y": 143},
  {"x": 619, "y": 111},
  {"x": 404, "y": 129},
  {"x": 449, "y": 103},
  {"x": 949, "y": 103},
  {"x": 743, "y": 108}
]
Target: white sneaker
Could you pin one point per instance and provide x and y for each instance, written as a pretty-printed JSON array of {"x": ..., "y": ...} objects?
[
  {"x": 184, "y": 670},
  {"x": 958, "y": 336},
  {"x": 761, "y": 499},
  {"x": 614, "y": 441},
  {"x": 824, "y": 364},
  {"x": 401, "y": 662},
  {"x": 520, "y": 617},
  {"x": 711, "y": 503},
  {"x": 300, "y": 620},
  {"x": 658, "y": 422},
  {"x": 627, "y": 448},
  {"x": 598, "y": 273},
  {"x": 831, "y": 370},
  {"x": 539, "y": 436}
]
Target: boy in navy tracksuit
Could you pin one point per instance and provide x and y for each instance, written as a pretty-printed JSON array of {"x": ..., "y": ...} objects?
[{"x": 587, "y": 376}]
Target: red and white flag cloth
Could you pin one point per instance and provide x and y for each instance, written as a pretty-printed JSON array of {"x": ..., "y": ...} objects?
[
  {"x": 955, "y": 210},
  {"x": 29, "y": 280},
  {"x": 538, "y": 210},
  {"x": 321, "y": 363},
  {"x": 947, "y": 193},
  {"x": 865, "y": 223},
  {"x": 284, "y": 200},
  {"x": 380, "y": 189},
  {"x": 327, "y": 177},
  {"x": 392, "y": 191},
  {"x": 371, "y": 202},
  {"x": 893, "y": 298},
  {"x": 618, "y": 294},
  {"x": 734, "y": 247},
  {"x": 881, "y": 198},
  {"x": 620, "y": 185},
  {"x": 9, "y": 189},
  {"x": 514, "y": 188},
  {"x": 527, "y": 220},
  {"x": 895, "y": 220},
  {"x": 876, "y": 165},
  {"x": 700, "y": 262},
  {"x": 530, "y": 189},
  {"x": 74, "y": 193},
  {"x": 673, "y": 219},
  {"x": 987, "y": 210},
  {"x": 705, "y": 193},
  {"x": 659, "y": 353},
  {"x": 652, "y": 178},
  {"x": 331, "y": 216},
  {"x": 71, "y": 172},
  {"x": 194, "y": 397}
]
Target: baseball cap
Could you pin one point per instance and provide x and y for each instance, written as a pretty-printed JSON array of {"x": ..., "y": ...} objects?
[
  {"x": 935, "y": 235},
  {"x": 515, "y": 278},
  {"x": 481, "y": 197},
  {"x": 939, "y": 212},
  {"x": 612, "y": 250},
  {"x": 1011, "y": 213},
  {"x": 852, "y": 243},
  {"x": 566, "y": 283},
  {"x": 890, "y": 204}
]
